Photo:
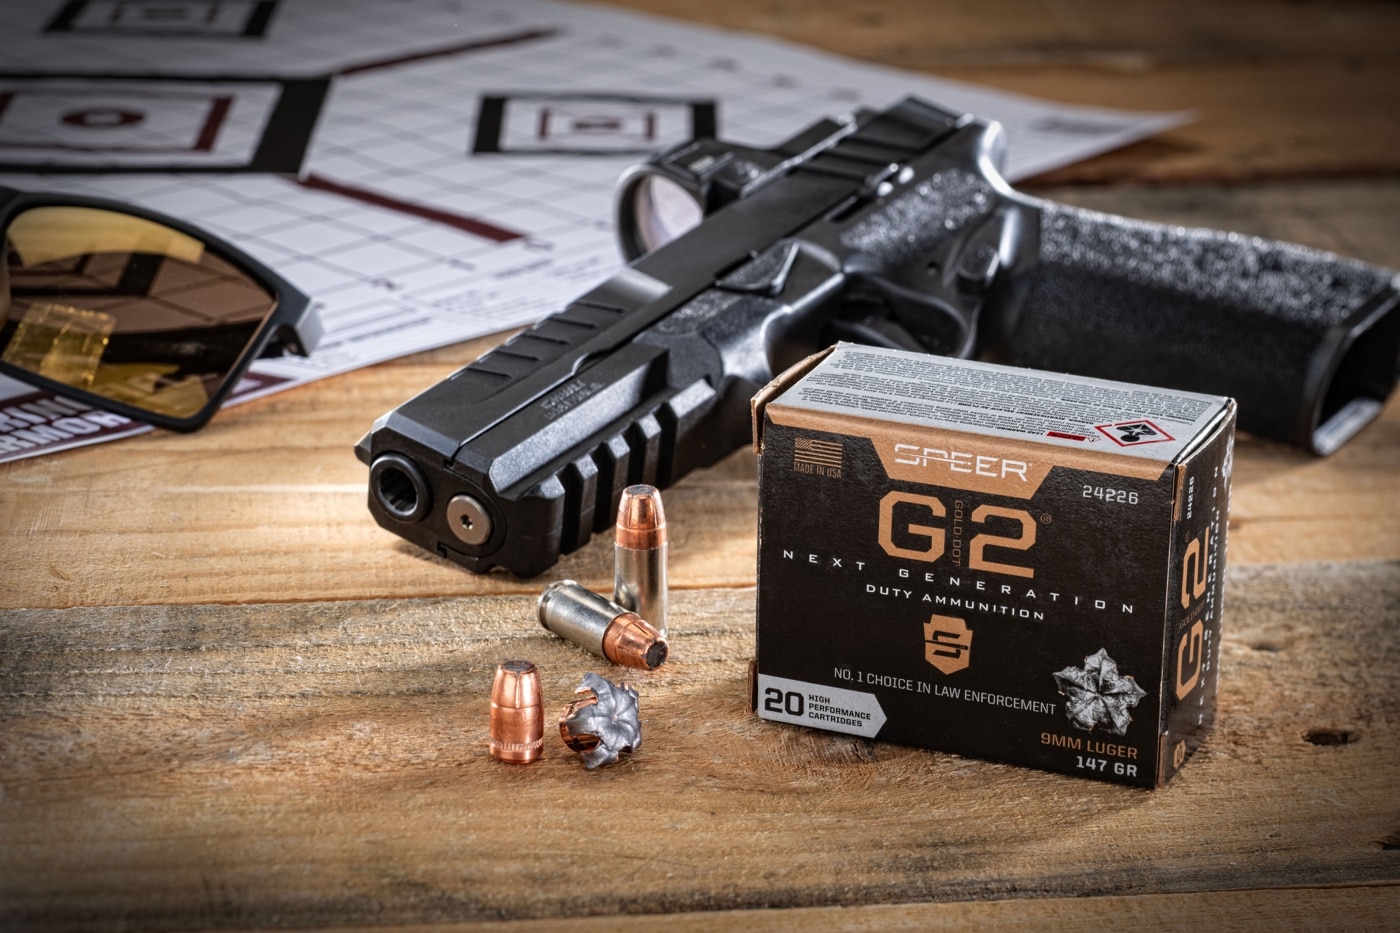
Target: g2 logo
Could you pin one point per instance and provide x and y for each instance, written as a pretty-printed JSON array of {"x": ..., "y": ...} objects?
[{"x": 909, "y": 516}]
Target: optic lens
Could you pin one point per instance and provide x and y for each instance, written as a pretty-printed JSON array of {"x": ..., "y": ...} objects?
[
  {"x": 123, "y": 307},
  {"x": 663, "y": 211}
]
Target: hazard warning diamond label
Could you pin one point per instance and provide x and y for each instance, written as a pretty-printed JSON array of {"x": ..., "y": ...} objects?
[{"x": 1133, "y": 433}]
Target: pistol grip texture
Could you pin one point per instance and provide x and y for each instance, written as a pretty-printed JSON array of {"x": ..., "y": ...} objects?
[{"x": 1306, "y": 341}]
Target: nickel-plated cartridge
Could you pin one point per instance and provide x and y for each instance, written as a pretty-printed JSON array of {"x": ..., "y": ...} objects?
[
  {"x": 639, "y": 555},
  {"x": 577, "y": 614},
  {"x": 517, "y": 713}
]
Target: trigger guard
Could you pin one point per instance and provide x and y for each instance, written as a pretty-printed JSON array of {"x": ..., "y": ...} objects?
[{"x": 920, "y": 313}]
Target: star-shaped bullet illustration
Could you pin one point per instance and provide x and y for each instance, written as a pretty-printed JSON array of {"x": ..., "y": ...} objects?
[{"x": 1097, "y": 695}]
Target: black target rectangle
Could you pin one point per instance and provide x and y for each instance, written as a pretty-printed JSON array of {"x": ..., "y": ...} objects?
[
  {"x": 279, "y": 144},
  {"x": 576, "y": 123},
  {"x": 207, "y": 19}
]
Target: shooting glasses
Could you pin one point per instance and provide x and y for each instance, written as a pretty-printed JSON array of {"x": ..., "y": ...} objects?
[{"x": 136, "y": 312}]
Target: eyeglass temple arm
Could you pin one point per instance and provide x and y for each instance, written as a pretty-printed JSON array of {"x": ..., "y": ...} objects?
[{"x": 299, "y": 336}]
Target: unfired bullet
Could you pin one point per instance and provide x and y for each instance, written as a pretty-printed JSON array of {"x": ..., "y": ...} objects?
[
  {"x": 639, "y": 555},
  {"x": 517, "y": 713},
  {"x": 579, "y": 615}
]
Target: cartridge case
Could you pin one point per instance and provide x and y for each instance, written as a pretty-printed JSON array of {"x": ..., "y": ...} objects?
[
  {"x": 579, "y": 615},
  {"x": 517, "y": 713},
  {"x": 639, "y": 555}
]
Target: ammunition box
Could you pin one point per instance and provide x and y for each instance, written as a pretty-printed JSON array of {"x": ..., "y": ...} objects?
[{"x": 1008, "y": 564}]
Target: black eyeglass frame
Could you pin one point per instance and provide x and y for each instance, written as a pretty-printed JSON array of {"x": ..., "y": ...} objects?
[{"x": 293, "y": 325}]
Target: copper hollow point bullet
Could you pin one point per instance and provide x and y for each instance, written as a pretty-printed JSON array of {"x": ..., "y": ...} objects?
[
  {"x": 639, "y": 555},
  {"x": 517, "y": 713},
  {"x": 577, "y": 614}
]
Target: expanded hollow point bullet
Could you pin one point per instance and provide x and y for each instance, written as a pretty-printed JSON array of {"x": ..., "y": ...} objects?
[
  {"x": 603, "y": 722},
  {"x": 579, "y": 615},
  {"x": 517, "y": 713},
  {"x": 639, "y": 555}
]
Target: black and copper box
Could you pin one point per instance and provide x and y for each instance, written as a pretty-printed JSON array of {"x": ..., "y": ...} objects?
[{"x": 1002, "y": 563}]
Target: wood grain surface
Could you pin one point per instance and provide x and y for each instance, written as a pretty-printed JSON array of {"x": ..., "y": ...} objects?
[
  {"x": 309, "y": 764},
  {"x": 228, "y": 700}
]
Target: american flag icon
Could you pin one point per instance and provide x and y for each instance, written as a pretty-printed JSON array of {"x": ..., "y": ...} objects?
[{"x": 817, "y": 453}]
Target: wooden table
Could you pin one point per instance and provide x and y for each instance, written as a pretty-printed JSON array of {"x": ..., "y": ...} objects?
[{"x": 229, "y": 700}]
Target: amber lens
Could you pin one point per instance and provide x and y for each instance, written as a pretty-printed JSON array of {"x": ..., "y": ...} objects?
[{"x": 124, "y": 308}]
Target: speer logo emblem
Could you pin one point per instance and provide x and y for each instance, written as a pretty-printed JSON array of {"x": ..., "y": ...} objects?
[{"x": 947, "y": 643}]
